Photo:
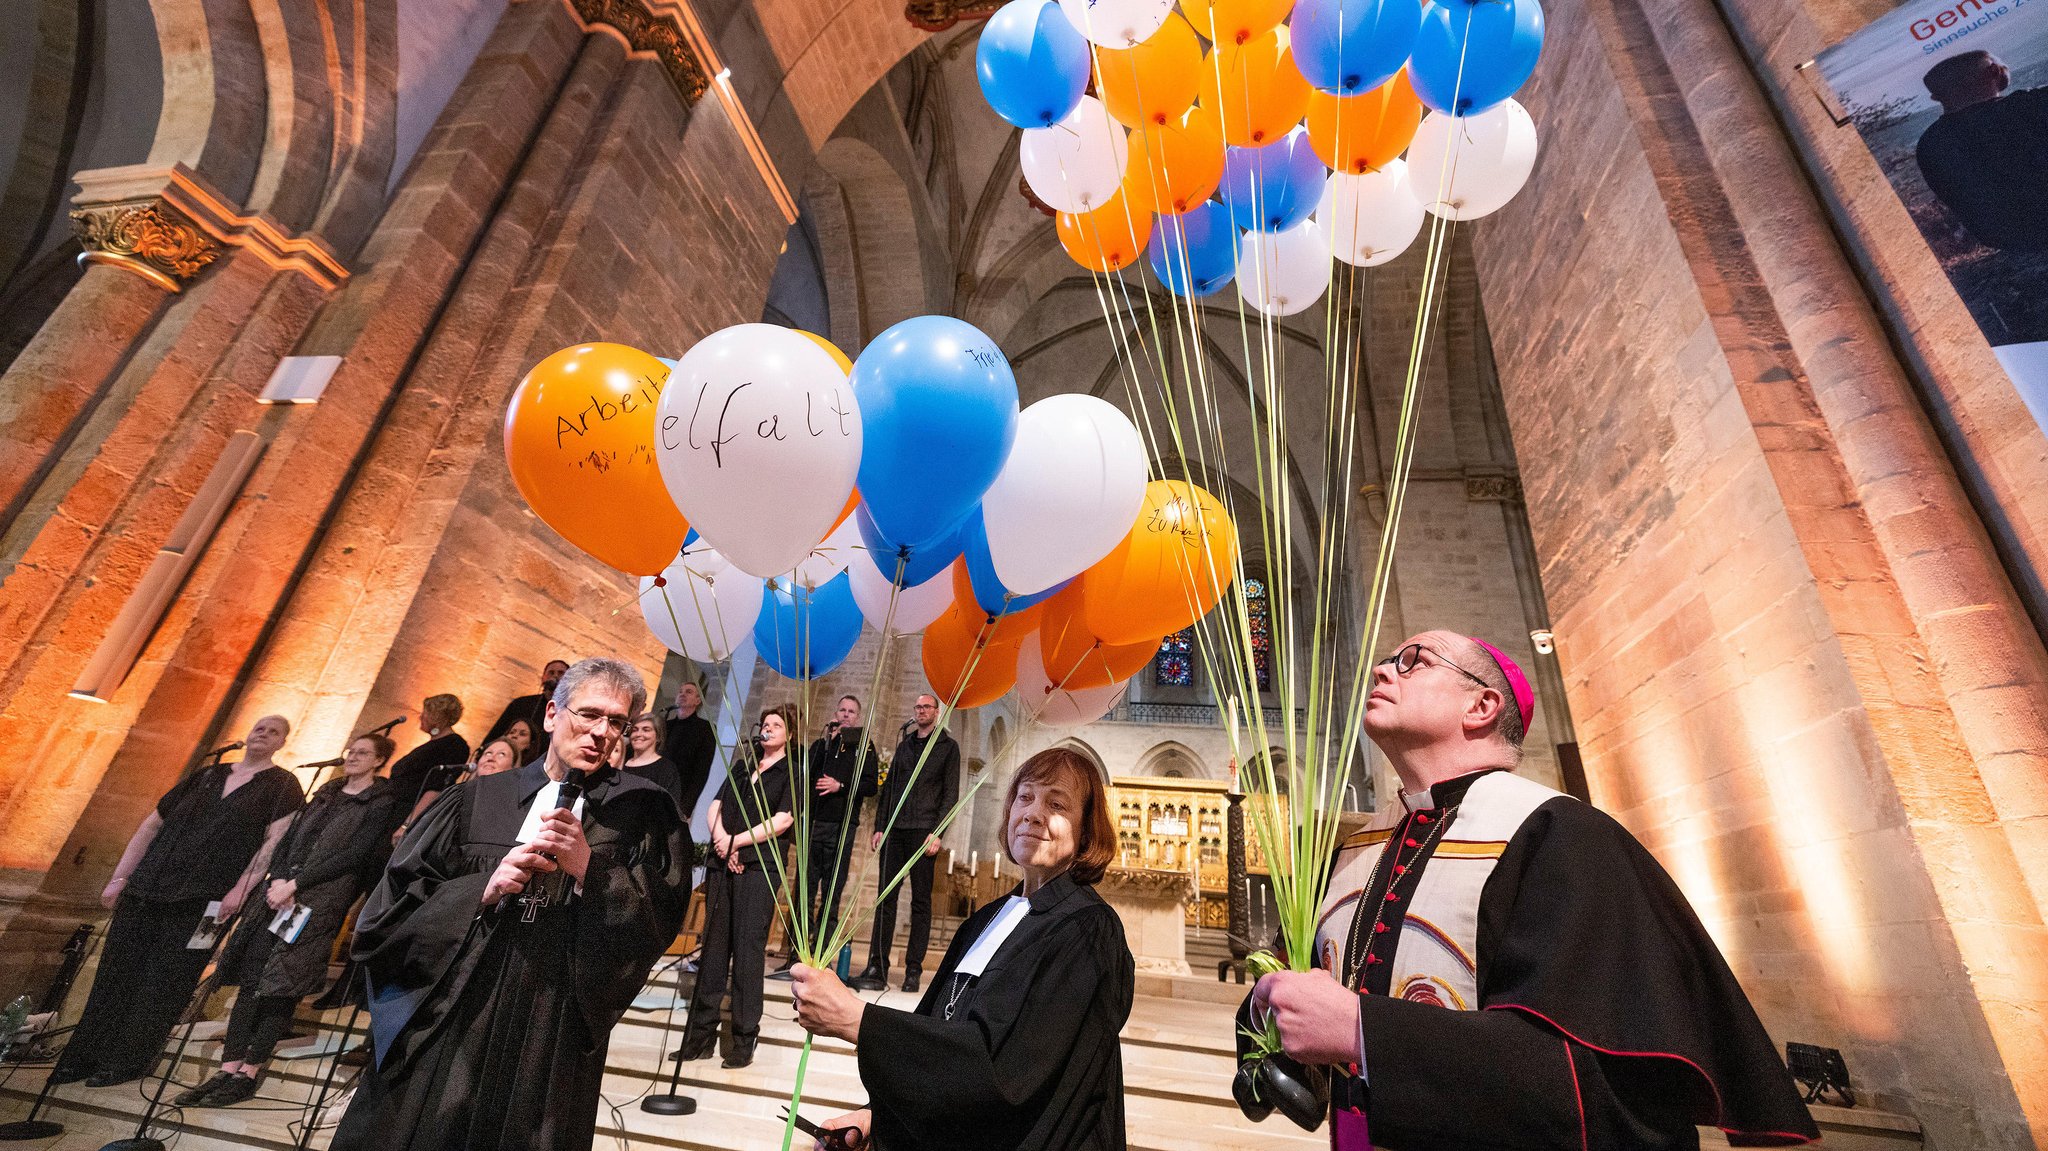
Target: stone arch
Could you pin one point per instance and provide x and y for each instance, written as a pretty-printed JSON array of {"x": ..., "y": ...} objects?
[
  {"x": 1172, "y": 759},
  {"x": 865, "y": 221},
  {"x": 1086, "y": 751}
]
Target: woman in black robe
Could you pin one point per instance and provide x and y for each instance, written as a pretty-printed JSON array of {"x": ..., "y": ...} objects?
[
  {"x": 319, "y": 865},
  {"x": 1014, "y": 1046}
]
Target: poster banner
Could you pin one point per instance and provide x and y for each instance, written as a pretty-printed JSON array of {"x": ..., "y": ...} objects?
[{"x": 1952, "y": 99}]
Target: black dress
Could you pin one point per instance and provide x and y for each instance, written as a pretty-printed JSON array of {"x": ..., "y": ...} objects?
[
  {"x": 410, "y": 771},
  {"x": 1029, "y": 1060},
  {"x": 490, "y": 1026},
  {"x": 662, "y": 772},
  {"x": 738, "y": 907},
  {"x": 146, "y": 972}
]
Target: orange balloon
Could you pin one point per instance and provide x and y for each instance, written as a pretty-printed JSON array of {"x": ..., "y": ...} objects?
[
  {"x": 845, "y": 365},
  {"x": 1075, "y": 657},
  {"x": 1153, "y": 82},
  {"x": 1107, "y": 238},
  {"x": 1256, "y": 88},
  {"x": 1361, "y": 133},
  {"x": 1168, "y": 572},
  {"x": 852, "y": 502},
  {"x": 1235, "y": 21},
  {"x": 960, "y": 669},
  {"x": 1176, "y": 166},
  {"x": 579, "y": 436},
  {"x": 1009, "y": 627}
]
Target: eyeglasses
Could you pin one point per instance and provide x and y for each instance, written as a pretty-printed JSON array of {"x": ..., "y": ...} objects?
[
  {"x": 587, "y": 718},
  {"x": 1409, "y": 658}
]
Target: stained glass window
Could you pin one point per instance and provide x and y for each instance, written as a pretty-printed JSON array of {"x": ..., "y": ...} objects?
[
  {"x": 1262, "y": 640},
  {"x": 1174, "y": 666}
]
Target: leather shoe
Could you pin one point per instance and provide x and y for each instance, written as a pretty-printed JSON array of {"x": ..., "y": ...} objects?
[
  {"x": 238, "y": 1089},
  {"x": 194, "y": 1097},
  {"x": 357, "y": 1056},
  {"x": 872, "y": 979},
  {"x": 696, "y": 1047},
  {"x": 739, "y": 1052},
  {"x": 784, "y": 973},
  {"x": 912, "y": 979}
]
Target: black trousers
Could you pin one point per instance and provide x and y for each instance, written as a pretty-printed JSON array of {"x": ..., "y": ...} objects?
[
  {"x": 831, "y": 858},
  {"x": 737, "y": 911},
  {"x": 146, "y": 977},
  {"x": 256, "y": 1026},
  {"x": 898, "y": 848}
]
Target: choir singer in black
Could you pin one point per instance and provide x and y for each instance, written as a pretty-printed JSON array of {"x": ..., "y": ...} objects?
[
  {"x": 1014, "y": 1046},
  {"x": 515, "y": 924}
]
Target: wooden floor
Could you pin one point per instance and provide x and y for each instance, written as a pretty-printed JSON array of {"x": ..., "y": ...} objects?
[{"x": 1177, "y": 1066}]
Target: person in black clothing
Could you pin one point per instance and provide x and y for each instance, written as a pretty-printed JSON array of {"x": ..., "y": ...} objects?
[
  {"x": 318, "y": 866},
  {"x": 750, "y": 822},
  {"x": 691, "y": 745},
  {"x": 922, "y": 787},
  {"x": 443, "y": 748},
  {"x": 531, "y": 708},
  {"x": 842, "y": 768},
  {"x": 1014, "y": 1047},
  {"x": 210, "y": 838},
  {"x": 1986, "y": 158},
  {"x": 644, "y": 757}
]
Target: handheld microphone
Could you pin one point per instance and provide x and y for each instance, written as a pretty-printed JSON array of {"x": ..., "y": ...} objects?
[
  {"x": 225, "y": 748},
  {"x": 560, "y": 883}
]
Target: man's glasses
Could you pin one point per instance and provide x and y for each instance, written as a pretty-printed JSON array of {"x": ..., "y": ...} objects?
[
  {"x": 1409, "y": 658},
  {"x": 587, "y": 718}
]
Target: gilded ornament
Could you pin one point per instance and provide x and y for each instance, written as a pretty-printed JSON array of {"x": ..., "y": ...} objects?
[{"x": 148, "y": 238}]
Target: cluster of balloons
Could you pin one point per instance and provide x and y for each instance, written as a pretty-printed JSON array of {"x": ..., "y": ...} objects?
[
  {"x": 1295, "y": 112},
  {"x": 763, "y": 486}
]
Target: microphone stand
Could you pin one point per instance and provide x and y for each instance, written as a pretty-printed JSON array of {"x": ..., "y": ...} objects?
[
  {"x": 317, "y": 1103},
  {"x": 673, "y": 1103},
  {"x": 53, "y": 1002}
]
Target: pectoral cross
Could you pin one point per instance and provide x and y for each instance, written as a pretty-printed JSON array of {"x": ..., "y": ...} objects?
[{"x": 535, "y": 898}]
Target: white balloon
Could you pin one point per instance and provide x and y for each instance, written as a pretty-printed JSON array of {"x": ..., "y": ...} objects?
[
  {"x": 1465, "y": 167},
  {"x": 1370, "y": 217},
  {"x": 1059, "y": 706},
  {"x": 758, "y": 437},
  {"x": 831, "y": 556},
  {"x": 1068, "y": 493},
  {"x": 1280, "y": 273},
  {"x": 916, "y": 606},
  {"x": 1117, "y": 23},
  {"x": 1077, "y": 164},
  {"x": 704, "y": 608}
]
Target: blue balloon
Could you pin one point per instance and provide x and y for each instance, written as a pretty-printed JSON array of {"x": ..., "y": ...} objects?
[
  {"x": 989, "y": 593},
  {"x": 1033, "y": 66},
  {"x": 1495, "y": 42},
  {"x": 938, "y": 411},
  {"x": 1195, "y": 253},
  {"x": 1273, "y": 187},
  {"x": 1345, "y": 47},
  {"x": 921, "y": 561},
  {"x": 805, "y": 634}
]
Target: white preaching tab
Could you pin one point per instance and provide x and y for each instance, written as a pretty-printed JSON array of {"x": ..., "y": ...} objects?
[
  {"x": 984, "y": 949},
  {"x": 547, "y": 799}
]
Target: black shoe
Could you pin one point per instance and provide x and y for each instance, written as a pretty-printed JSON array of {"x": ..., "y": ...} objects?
[
  {"x": 60, "y": 1074},
  {"x": 784, "y": 972},
  {"x": 872, "y": 979},
  {"x": 195, "y": 1096},
  {"x": 357, "y": 1056},
  {"x": 238, "y": 1089},
  {"x": 111, "y": 1079},
  {"x": 696, "y": 1047},
  {"x": 911, "y": 979},
  {"x": 740, "y": 1051}
]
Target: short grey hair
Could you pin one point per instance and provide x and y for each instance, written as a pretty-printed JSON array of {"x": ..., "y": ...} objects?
[{"x": 613, "y": 673}]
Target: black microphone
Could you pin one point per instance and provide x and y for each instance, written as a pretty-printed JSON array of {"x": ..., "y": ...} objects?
[
  {"x": 908, "y": 726},
  {"x": 225, "y": 748},
  {"x": 385, "y": 727},
  {"x": 560, "y": 883},
  {"x": 335, "y": 762}
]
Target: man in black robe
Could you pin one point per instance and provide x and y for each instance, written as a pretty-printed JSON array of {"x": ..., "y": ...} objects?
[
  {"x": 1503, "y": 966},
  {"x": 690, "y": 744},
  {"x": 509, "y": 935},
  {"x": 531, "y": 708}
]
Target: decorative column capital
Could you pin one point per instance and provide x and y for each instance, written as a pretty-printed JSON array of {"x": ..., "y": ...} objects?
[
  {"x": 1493, "y": 489},
  {"x": 939, "y": 15},
  {"x": 661, "y": 29},
  {"x": 167, "y": 224},
  {"x": 147, "y": 237}
]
